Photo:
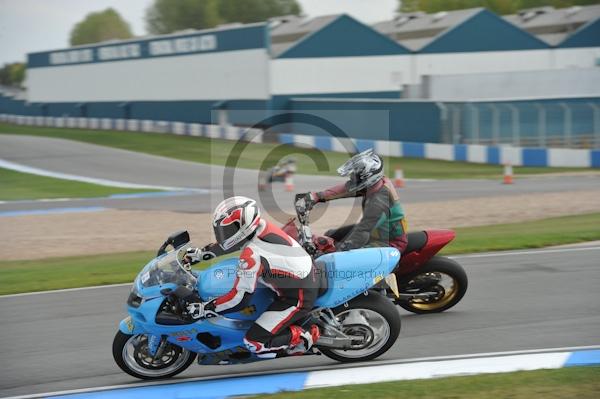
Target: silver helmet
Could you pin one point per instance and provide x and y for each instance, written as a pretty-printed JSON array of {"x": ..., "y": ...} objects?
[
  {"x": 234, "y": 220},
  {"x": 364, "y": 169}
]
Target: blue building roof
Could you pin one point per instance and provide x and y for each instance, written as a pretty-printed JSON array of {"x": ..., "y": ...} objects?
[
  {"x": 483, "y": 31},
  {"x": 587, "y": 35},
  {"x": 343, "y": 37}
]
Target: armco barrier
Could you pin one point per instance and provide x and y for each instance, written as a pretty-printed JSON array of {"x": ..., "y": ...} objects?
[
  {"x": 138, "y": 125},
  {"x": 366, "y": 374},
  {"x": 498, "y": 155}
]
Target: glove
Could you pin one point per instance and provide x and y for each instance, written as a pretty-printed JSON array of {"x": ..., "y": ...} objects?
[
  {"x": 201, "y": 310},
  {"x": 344, "y": 246},
  {"x": 310, "y": 199},
  {"x": 195, "y": 255},
  {"x": 195, "y": 310}
]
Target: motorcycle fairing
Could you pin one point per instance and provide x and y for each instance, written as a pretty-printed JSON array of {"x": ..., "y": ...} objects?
[
  {"x": 350, "y": 273},
  {"x": 141, "y": 320}
]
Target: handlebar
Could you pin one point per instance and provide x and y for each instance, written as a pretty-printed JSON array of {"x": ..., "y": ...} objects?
[{"x": 303, "y": 209}]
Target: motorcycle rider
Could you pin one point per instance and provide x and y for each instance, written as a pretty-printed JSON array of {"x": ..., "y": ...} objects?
[
  {"x": 276, "y": 261},
  {"x": 383, "y": 222}
]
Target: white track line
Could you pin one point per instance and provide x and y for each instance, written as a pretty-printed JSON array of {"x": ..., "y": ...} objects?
[
  {"x": 484, "y": 255},
  {"x": 94, "y": 287},
  {"x": 306, "y": 369},
  {"x": 532, "y": 252},
  {"x": 102, "y": 182}
]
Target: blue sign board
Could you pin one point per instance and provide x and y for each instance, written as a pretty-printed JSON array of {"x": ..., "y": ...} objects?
[{"x": 208, "y": 41}]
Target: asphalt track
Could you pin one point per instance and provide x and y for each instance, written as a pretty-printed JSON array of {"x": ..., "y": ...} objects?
[
  {"x": 516, "y": 301},
  {"x": 65, "y": 156}
]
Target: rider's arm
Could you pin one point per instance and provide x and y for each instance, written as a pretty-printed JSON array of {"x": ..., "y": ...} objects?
[
  {"x": 215, "y": 250},
  {"x": 375, "y": 207},
  {"x": 335, "y": 192},
  {"x": 210, "y": 251},
  {"x": 248, "y": 272}
]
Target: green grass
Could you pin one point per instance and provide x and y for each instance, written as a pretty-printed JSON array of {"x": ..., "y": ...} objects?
[
  {"x": 26, "y": 186},
  {"x": 533, "y": 234},
  {"x": 262, "y": 156},
  {"x": 572, "y": 382},
  {"x": 74, "y": 271},
  {"x": 81, "y": 271},
  {"x": 71, "y": 272}
]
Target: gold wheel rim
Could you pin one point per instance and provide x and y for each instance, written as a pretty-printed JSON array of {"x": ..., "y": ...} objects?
[{"x": 449, "y": 294}]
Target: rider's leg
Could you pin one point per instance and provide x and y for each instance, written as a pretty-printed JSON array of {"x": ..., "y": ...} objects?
[{"x": 275, "y": 330}]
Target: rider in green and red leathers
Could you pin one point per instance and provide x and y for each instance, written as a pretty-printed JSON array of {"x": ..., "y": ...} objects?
[{"x": 383, "y": 222}]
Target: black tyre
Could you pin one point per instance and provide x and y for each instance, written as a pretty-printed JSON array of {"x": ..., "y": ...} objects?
[
  {"x": 131, "y": 355},
  {"x": 383, "y": 321},
  {"x": 450, "y": 288}
]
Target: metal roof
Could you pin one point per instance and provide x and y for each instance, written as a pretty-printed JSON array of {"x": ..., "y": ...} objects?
[
  {"x": 287, "y": 31},
  {"x": 416, "y": 30},
  {"x": 554, "y": 25}
]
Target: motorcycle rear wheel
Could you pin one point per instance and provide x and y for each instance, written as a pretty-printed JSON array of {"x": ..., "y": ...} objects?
[
  {"x": 377, "y": 309},
  {"x": 442, "y": 268},
  {"x": 130, "y": 357}
]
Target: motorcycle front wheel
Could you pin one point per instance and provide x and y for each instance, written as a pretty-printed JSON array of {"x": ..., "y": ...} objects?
[
  {"x": 132, "y": 356},
  {"x": 443, "y": 278},
  {"x": 373, "y": 317}
]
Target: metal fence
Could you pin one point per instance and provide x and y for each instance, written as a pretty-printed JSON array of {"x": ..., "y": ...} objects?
[{"x": 569, "y": 123}]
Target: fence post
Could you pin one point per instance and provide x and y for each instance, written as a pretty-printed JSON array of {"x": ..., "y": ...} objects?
[
  {"x": 474, "y": 123},
  {"x": 495, "y": 123},
  {"x": 596, "y": 123},
  {"x": 541, "y": 125},
  {"x": 568, "y": 134},
  {"x": 516, "y": 124},
  {"x": 456, "y": 124},
  {"x": 444, "y": 122}
]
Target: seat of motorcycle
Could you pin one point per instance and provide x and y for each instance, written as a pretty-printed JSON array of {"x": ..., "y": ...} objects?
[
  {"x": 416, "y": 241},
  {"x": 322, "y": 280}
]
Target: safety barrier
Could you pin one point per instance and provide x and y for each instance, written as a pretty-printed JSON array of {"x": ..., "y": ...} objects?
[
  {"x": 498, "y": 155},
  {"x": 136, "y": 125}
]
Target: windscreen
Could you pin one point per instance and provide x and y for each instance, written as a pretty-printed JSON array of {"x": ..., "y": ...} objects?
[{"x": 167, "y": 269}]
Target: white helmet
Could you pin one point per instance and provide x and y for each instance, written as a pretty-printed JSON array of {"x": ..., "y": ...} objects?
[
  {"x": 364, "y": 169},
  {"x": 235, "y": 219}
]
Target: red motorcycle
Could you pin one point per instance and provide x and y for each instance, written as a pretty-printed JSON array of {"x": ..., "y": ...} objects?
[{"x": 423, "y": 282}]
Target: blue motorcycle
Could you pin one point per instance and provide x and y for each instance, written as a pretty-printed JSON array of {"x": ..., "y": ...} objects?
[{"x": 158, "y": 340}]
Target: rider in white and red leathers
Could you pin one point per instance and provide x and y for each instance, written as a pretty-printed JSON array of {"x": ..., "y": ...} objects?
[{"x": 269, "y": 258}]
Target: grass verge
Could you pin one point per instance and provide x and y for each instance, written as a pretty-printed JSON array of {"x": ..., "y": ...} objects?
[
  {"x": 81, "y": 271},
  {"x": 571, "y": 382},
  {"x": 25, "y": 186},
  {"x": 532, "y": 234},
  {"x": 257, "y": 156}
]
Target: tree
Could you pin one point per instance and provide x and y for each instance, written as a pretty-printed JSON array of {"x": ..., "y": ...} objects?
[
  {"x": 166, "y": 16},
  {"x": 248, "y": 11},
  {"x": 498, "y": 6},
  {"x": 409, "y": 5},
  {"x": 100, "y": 26},
  {"x": 12, "y": 74}
]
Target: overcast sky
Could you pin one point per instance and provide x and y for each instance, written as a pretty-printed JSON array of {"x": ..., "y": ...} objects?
[{"x": 37, "y": 25}]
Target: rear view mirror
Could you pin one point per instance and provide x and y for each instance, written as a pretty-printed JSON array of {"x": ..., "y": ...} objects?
[
  {"x": 176, "y": 240},
  {"x": 179, "y": 238}
]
